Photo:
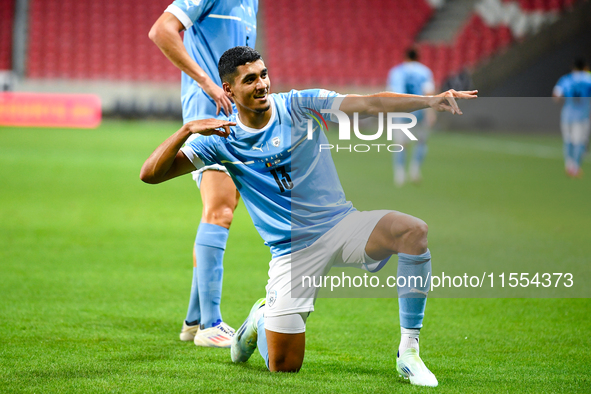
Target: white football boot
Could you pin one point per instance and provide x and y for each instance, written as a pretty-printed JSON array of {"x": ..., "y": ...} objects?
[
  {"x": 188, "y": 332},
  {"x": 410, "y": 366},
  {"x": 245, "y": 341},
  {"x": 216, "y": 336}
]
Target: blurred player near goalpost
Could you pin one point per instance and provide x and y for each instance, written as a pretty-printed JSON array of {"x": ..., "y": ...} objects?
[
  {"x": 211, "y": 27},
  {"x": 574, "y": 89},
  {"x": 412, "y": 77},
  {"x": 324, "y": 229}
]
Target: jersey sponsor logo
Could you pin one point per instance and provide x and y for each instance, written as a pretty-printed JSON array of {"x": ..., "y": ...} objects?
[{"x": 258, "y": 148}]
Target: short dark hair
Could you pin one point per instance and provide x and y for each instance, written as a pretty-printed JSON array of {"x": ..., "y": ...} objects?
[
  {"x": 579, "y": 64},
  {"x": 234, "y": 57},
  {"x": 412, "y": 54}
]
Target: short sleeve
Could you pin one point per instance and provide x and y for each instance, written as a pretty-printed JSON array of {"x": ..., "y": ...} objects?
[
  {"x": 190, "y": 11},
  {"x": 301, "y": 101},
  {"x": 396, "y": 81},
  {"x": 201, "y": 151},
  {"x": 558, "y": 90},
  {"x": 429, "y": 84}
]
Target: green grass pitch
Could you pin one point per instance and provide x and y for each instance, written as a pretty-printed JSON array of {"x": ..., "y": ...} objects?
[{"x": 96, "y": 271}]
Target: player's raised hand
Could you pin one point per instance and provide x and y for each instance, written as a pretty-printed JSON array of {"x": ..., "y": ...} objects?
[
  {"x": 222, "y": 101},
  {"x": 446, "y": 101},
  {"x": 210, "y": 127}
]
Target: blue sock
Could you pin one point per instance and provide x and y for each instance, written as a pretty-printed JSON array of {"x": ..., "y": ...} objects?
[
  {"x": 420, "y": 152},
  {"x": 209, "y": 249},
  {"x": 579, "y": 152},
  {"x": 194, "y": 313},
  {"x": 262, "y": 340},
  {"x": 412, "y": 297}
]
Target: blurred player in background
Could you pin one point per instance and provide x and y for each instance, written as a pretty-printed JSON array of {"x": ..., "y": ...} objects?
[
  {"x": 574, "y": 89},
  {"x": 332, "y": 231},
  {"x": 211, "y": 27},
  {"x": 412, "y": 77}
]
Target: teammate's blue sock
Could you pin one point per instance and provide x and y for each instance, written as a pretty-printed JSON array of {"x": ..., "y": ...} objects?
[
  {"x": 570, "y": 152},
  {"x": 578, "y": 153},
  {"x": 262, "y": 340},
  {"x": 419, "y": 153},
  {"x": 209, "y": 249},
  {"x": 412, "y": 297},
  {"x": 194, "y": 313}
]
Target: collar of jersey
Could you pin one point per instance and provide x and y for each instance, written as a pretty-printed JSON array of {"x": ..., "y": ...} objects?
[{"x": 254, "y": 131}]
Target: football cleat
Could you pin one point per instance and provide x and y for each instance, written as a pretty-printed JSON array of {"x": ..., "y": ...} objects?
[
  {"x": 188, "y": 332},
  {"x": 219, "y": 335},
  {"x": 245, "y": 341},
  {"x": 410, "y": 366}
]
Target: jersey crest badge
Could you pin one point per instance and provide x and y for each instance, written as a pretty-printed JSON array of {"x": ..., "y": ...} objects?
[
  {"x": 276, "y": 141},
  {"x": 272, "y": 297}
]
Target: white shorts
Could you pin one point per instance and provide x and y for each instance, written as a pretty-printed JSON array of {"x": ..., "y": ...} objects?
[
  {"x": 342, "y": 246},
  {"x": 198, "y": 174},
  {"x": 576, "y": 133}
]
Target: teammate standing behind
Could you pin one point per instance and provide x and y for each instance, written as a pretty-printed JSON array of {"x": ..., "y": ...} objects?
[
  {"x": 575, "y": 90},
  {"x": 412, "y": 77},
  {"x": 211, "y": 27}
]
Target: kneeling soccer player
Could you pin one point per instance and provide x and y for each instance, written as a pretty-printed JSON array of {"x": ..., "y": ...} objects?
[{"x": 293, "y": 194}]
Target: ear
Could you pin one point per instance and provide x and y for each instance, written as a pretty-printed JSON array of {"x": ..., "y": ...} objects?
[{"x": 227, "y": 89}]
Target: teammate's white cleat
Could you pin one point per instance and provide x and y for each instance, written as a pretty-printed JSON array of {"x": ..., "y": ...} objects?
[
  {"x": 245, "y": 341},
  {"x": 188, "y": 332},
  {"x": 410, "y": 366},
  {"x": 216, "y": 336}
]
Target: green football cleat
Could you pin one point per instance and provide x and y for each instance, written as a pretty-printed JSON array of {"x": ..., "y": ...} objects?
[
  {"x": 410, "y": 366},
  {"x": 244, "y": 341}
]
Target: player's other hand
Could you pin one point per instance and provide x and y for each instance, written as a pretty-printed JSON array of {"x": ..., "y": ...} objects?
[
  {"x": 222, "y": 101},
  {"x": 210, "y": 127},
  {"x": 446, "y": 101}
]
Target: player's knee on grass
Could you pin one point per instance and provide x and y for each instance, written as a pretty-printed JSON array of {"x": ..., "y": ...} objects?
[
  {"x": 286, "y": 341},
  {"x": 286, "y": 351}
]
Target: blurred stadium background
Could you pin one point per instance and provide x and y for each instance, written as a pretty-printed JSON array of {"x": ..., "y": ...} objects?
[{"x": 505, "y": 48}]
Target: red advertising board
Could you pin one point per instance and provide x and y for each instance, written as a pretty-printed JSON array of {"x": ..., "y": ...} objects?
[{"x": 50, "y": 110}]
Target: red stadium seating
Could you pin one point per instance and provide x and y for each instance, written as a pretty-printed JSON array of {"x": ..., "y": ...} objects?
[
  {"x": 6, "y": 24},
  {"x": 341, "y": 42},
  {"x": 307, "y": 42},
  {"x": 101, "y": 40}
]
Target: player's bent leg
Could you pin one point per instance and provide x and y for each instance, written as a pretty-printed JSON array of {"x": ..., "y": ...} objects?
[
  {"x": 286, "y": 351},
  {"x": 220, "y": 198},
  {"x": 407, "y": 236},
  {"x": 395, "y": 233},
  {"x": 282, "y": 351}
]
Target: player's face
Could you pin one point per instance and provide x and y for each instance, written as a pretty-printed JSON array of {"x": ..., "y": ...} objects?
[{"x": 250, "y": 89}]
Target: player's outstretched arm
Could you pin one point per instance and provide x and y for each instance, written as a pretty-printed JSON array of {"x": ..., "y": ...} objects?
[
  {"x": 373, "y": 104},
  {"x": 168, "y": 161},
  {"x": 165, "y": 34}
]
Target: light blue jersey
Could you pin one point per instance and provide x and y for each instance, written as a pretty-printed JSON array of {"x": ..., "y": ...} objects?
[
  {"x": 211, "y": 28},
  {"x": 291, "y": 189},
  {"x": 576, "y": 90},
  {"x": 411, "y": 78}
]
